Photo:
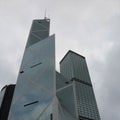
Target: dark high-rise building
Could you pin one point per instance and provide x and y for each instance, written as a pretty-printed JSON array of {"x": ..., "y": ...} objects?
[
  {"x": 5, "y": 101},
  {"x": 41, "y": 92}
]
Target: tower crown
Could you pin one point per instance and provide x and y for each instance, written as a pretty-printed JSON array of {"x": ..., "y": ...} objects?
[{"x": 39, "y": 31}]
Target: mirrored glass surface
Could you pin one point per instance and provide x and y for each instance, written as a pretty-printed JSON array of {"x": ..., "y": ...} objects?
[
  {"x": 35, "y": 86},
  {"x": 61, "y": 81},
  {"x": 66, "y": 99}
]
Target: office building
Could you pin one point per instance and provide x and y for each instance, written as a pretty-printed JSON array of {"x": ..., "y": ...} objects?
[
  {"x": 35, "y": 86},
  {"x": 75, "y": 93},
  {"x": 41, "y": 92},
  {"x": 6, "y": 95}
]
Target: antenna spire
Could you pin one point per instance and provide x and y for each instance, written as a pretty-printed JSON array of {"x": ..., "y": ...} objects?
[{"x": 45, "y": 15}]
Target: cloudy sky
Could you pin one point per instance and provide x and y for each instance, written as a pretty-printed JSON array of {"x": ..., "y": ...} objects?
[{"x": 88, "y": 27}]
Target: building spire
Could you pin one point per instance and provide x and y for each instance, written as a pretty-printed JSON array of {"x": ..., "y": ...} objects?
[{"x": 45, "y": 15}]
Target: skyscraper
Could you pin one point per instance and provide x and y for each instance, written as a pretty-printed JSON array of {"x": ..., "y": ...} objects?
[
  {"x": 77, "y": 96},
  {"x": 42, "y": 93},
  {"x": 35, "y": 86}
]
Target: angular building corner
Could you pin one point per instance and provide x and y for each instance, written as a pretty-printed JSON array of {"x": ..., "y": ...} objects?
[{"x": 42, "y": 93}]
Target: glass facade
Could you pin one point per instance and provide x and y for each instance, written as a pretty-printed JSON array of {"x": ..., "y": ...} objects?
[
  {"x": 36, "y": 81},
  {"x": 65, "y": 98},
  {"x": 66, "y": 101},
  {"x": 39, "y": 31},
  {"x": 74, "y": 68},
  {"x": 61, "y": 81},
  {"x": 86, "y": 103},
  {"x": 74, "y": 65},
  {"x": 42, "y": 93}
]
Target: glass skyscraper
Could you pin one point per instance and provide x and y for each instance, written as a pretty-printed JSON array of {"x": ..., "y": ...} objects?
[
  {"x": 42, "y": 93},
  {"x": 76, "y": 96},
  {"x": 35, "y": 88}
]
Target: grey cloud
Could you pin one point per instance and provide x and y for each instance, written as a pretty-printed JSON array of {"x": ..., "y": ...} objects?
[
  {"x": 89, "y": 27},
  {"x": 106, "y": 74},
  {"x": 111, "y": 86}
]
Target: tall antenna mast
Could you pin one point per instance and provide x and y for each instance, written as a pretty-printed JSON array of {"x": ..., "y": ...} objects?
[{"x": 45, "y": 15}]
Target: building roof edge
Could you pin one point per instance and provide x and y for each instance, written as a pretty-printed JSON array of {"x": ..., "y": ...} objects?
[{"x": 70, "y": 51}]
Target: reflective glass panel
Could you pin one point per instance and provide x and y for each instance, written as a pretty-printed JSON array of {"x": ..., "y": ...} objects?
[{"x": 35, "y": 86}]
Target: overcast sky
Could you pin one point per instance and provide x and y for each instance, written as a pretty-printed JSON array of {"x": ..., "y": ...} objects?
[{"x": 88, "y": 27}]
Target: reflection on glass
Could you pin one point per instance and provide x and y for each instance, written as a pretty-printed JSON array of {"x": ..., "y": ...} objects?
[
  {"x": 66, "y": 98},
  {"x": 35, "y": 86}
]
